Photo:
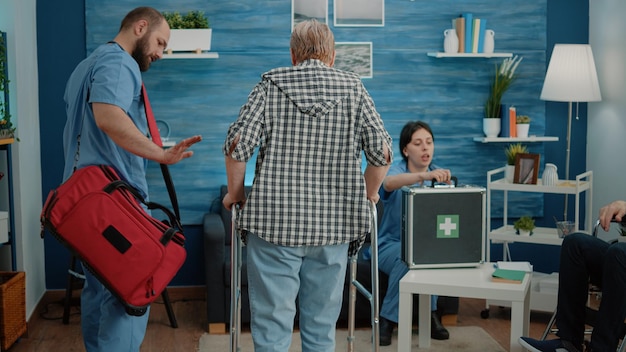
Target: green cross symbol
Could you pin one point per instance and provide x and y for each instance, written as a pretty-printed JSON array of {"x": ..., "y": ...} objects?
[{"x": 447, "y": 226}]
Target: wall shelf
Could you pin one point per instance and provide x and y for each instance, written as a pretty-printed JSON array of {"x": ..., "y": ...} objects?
[
  {"x": 203, "y": 55},
  {"x": 439, "y": 55},
  {"x": 529, "y": 139}
]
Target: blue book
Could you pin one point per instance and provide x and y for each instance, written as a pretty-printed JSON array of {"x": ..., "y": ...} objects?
[
  {"x": 481, "y": 35},
  {"x": 504, "y": 118},
  {"x": 468, "y": 31}
]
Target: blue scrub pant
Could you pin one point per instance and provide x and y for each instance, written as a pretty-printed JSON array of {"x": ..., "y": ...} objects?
[
  {"x": 105, "y": 325},
  {"x": 390, "y": 263},
  {"x": 277, "y": 275}
]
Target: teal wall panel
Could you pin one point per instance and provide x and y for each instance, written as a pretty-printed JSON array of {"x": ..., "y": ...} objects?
[{"x": 204, "y": 96}]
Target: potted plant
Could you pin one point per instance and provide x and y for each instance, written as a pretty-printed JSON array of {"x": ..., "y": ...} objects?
[
  {"x": 7, "y": 130},
  {"x": 522, "y": 125},
  {"x": 189, "y": 32},
  {"x": 524, "y": 225},
  {"x": 502, "y": 80},
  {"x": 511, "y": 152}
]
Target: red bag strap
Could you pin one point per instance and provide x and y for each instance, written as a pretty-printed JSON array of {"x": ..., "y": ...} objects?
[
  {"x": 156, "y": 138},
  {"x": 152, "y": 126}
]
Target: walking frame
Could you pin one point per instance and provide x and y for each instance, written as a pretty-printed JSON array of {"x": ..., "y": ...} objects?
[{"x": 373, "y": 296}]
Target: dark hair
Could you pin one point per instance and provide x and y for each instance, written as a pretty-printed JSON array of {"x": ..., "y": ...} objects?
[
  {"x": 407, "y": 134},
  {"x": 153, "y": 16}
]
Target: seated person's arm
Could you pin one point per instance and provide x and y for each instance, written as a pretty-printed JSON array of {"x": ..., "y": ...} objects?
[
  {"x": 615, "y": 210},
  {"x": 394, "y": 182}
]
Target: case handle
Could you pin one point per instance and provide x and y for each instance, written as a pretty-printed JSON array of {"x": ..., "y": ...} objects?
[{"x": 454, "y": 184}]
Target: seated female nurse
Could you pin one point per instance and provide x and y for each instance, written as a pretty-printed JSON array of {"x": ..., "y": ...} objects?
[{"x": 417, "y": 147}]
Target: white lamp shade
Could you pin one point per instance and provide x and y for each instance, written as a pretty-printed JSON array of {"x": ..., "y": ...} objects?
[{"x": 571, "y": 75}]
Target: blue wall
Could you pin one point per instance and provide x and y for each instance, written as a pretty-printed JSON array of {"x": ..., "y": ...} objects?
[{"x": 204, "y": 96}]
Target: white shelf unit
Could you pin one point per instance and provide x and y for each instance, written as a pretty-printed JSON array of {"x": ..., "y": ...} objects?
[
  {"x": 440, "y": 55},
  {"x": 192, "y": 55},
  {"x": 541, "y": 235},
  {"x": 528, "y": 139}
]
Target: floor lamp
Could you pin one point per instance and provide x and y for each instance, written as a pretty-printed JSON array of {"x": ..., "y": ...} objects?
[{"x": 571, "y": 77}]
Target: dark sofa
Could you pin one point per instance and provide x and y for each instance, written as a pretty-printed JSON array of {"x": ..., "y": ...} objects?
[{"x": 217, "y": 235}]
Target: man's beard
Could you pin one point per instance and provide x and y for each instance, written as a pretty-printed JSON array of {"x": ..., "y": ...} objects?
[{"x": 139, "y": 54}]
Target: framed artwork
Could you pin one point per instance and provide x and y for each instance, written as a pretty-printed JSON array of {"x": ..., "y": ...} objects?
[
  {"x": 302, "y": 10},
  {"x": 526, "y": 169},
  {"x": 354, "y": 57},
  {"x": 359, "y": 13}
]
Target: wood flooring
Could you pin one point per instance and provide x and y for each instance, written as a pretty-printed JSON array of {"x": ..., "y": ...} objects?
[{"x": 46, "y": 332}]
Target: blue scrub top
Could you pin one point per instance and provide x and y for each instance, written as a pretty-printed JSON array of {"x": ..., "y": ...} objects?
[
  {"x": 109, "y": 75},
  {"x": 390, "y": 227}
]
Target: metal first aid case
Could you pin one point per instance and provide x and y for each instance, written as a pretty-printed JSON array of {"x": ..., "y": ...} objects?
[{"x": 443, "y": 227}]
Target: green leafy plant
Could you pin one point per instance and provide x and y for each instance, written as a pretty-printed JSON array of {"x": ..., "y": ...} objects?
[
  {"x": 502, "y": 80},
  {"x": 512, "y": 150},
  {"x": 525, "y": 223},
  {"x": 6, "y": 126},
  {"x": 189, "y": 20},
  {"x": 520, "y": 119}
]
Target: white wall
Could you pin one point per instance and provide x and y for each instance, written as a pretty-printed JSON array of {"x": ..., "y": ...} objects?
[
  {"x": 18, "y": 19},
  {"x": 606, "y": 129}
]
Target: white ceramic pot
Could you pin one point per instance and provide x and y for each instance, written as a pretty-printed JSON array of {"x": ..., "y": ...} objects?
[
  {"x": 524, "y": 232},
  {"x": 492, "y": 126},
  {"x": 190, "y": 40},
  {"x": 509, "y": 173},
  {"x": 522, "y": 129}
]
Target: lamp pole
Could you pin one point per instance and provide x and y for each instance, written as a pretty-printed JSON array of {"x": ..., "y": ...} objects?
[{"x": 567, "y": 153}]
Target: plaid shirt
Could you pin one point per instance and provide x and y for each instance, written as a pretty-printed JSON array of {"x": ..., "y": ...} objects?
[{"x": 311, "y": 123}]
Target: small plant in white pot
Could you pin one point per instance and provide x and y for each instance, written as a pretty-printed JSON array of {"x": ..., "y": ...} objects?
[
  {"x": 189, "y": 32},
  {"x": 511, "y": 154},
  {"x": 524, "y": 225},
  {"x": 522, "y": 125}
]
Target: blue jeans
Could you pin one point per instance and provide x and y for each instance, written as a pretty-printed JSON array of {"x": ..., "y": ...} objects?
[
  {"x": 105, "y": 325},
  {"x": 390, "y": 263},
  {"x": 586, "y": 259},
  {"x": 277, "y": 275}
]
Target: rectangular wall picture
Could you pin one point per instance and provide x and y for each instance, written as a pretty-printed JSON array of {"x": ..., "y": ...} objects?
[
  {"x": 355, "y": 57},
  {"x": 302, "y": 10},
  {"x": 359, "y": 13}
]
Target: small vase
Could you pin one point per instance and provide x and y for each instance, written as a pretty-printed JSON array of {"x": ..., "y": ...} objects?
[
  {"x": 522, "y": 129},
  {"x": 550, "y": 176},
  {"x": 491, "y": 127},
  {"x": 451, "y": 41},
  {"x": 524, "y": 232},
  {"x": 489, "y": 41}
]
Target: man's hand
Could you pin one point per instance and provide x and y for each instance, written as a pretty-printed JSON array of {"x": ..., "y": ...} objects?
[
  {"x": 615, "y": 210},
  {"x": 229, "y": 201},
  {"x": 179, "y": 151}
]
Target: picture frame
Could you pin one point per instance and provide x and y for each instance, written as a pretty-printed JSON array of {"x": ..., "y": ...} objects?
[
  {"x": 359, "y": 13},
  {"x": 526, "y": 168},
  {"x": 355, "y": 57},
  {"x": 302, "y": 10}
]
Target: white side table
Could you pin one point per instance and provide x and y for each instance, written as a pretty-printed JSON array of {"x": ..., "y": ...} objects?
[{"x": 461, "y": 282}]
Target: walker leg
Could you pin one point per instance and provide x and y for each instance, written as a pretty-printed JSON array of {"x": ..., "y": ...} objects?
[
  {"x": 235, "y": 284},
  {"x": 352, "y": 303}
]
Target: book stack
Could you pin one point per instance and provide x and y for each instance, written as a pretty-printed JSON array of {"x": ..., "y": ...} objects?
[
  {"x": 508, "y": 276},
  {"x": 471, "y": 33}
]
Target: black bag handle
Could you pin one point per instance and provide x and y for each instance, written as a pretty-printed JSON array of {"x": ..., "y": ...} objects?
[
  {"x": 454, "y": 179},
  {"x": 117, "y": 184}
]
